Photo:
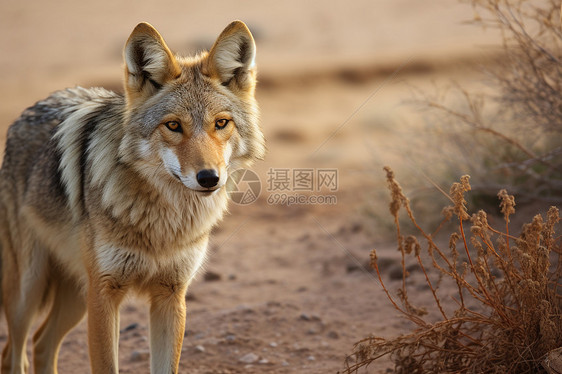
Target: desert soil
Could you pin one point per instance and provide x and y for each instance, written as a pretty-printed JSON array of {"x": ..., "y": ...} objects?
[{"x": 286, "y": 289}]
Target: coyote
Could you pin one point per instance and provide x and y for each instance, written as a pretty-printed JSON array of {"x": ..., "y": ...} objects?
[{"x": 104, "y": 193}]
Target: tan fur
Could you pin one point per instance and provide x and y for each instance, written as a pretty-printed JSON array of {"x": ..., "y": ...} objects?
[
  {"x": 161, "y": 64},
  {"x": 101, "y": 196}
]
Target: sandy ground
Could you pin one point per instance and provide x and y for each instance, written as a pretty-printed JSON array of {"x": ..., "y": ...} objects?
[{"x": 287, "y": 288}]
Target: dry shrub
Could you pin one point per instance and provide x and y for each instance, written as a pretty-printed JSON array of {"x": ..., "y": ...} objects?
[
  {"x": 507, "y": 314},
  {"x": 510, "y": 133}
]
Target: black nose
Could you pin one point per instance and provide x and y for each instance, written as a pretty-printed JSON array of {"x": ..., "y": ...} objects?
[{"x": 208, "y": 178}]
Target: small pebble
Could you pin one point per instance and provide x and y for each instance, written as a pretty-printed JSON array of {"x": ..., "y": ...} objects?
[
  {"x": 284, "y": 363},
  {"x": 309, "y": 317},
  {"x": 132, "y": 326},
  {"x": 211, "y": 276},
  {"x": 352, "y": 266},
  {"x": 305, "y": 317},
  {"x": 138, "y": 356},
  {"x": 333, "y": 335},
  {"x": 199, "y": 348},
  {"x": 273, "y": 344},
  {"x": 395, "y": 272},
  {"x": 386, "y": 262},
  {"x": 311, "y": 358},
  {"x": 263, "y": 361},
  {"x": 249, "y": 358}
]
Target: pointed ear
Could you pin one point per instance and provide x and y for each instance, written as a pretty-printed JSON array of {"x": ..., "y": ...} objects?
[
  {"x": 232, "y": 57},
  {"x": 149, "y": 63}
]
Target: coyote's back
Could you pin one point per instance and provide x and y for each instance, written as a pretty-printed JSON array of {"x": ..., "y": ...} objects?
[
  {"x": 102, "y": 194},
  {"x": 30, "y": 173}
]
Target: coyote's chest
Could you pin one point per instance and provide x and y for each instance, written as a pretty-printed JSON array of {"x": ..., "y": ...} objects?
[{"x": 143, "y": 235}]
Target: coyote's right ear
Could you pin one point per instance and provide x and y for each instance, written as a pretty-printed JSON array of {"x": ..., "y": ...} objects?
[{"x": 149, "y": 63}]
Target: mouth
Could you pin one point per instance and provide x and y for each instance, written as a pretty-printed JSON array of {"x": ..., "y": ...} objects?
[{"x": 206, "y": 192}]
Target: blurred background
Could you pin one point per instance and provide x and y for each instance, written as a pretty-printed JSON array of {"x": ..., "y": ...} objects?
[{"x": 49, "y": 45}]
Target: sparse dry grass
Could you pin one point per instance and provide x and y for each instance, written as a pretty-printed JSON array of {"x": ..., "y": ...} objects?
[
  {"x": 508, "y": 314},
  {"x": 510, "y": 133}
]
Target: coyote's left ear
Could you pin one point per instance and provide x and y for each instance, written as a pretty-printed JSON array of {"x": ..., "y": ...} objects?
[
  {"x": 149, "y": 63},
  {"x": 232, "y": 58}
]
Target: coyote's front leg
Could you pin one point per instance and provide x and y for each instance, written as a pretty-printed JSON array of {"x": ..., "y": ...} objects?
[
  {"x": 167, "y": 326},
  {"x": 104, "y": 297}
]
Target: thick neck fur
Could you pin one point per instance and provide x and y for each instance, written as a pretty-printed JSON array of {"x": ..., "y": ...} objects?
[
  {"x": 134, "y": 205},
  {"x": 134, "y": 212}
]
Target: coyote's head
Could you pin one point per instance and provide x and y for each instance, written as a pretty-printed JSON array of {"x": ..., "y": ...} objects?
[{"x": 191, "y": 120}]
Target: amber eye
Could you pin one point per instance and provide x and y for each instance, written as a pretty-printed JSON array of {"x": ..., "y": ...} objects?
[
  {"x": 221, "y": 123},
  {"x": 174, "y": 126}
]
